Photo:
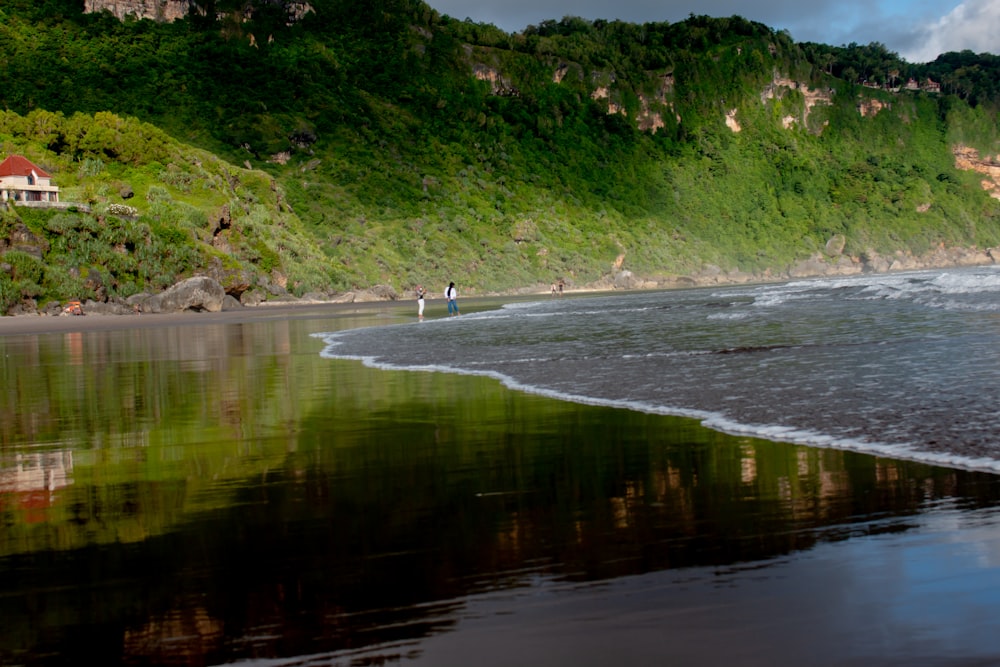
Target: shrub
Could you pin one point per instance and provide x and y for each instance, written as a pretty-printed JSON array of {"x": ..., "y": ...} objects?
[
  {"x": 157, "y": 193},
  {"x": 24, "y": 267},
  {"x": 9, "y": 294},
  {"x": 90, "y": 166},
  {"x": 59, "y": 284},
  {"x": 63, "y": 223}
]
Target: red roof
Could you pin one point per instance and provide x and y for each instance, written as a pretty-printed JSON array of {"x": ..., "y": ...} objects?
[{"x": 17, "y": 165}]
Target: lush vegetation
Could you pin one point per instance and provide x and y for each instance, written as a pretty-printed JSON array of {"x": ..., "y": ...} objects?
[
  {"x": 382, "y": 143},
  {"x": 146, "y": 211}
]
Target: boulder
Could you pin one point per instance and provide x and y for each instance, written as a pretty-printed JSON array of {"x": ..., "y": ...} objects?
[
  {"x": 94, "y": 281},
  {"x": 234, "y": 279},
  {"x": 230, "y": 302},
  {"x": 626, "y": 280},
  {"x": 346, "y": 297},
  {"x": 814, "y": 266},
  {"x": 115, "y": 307},
  {"x": 136, "y": 300},
  {"x": 376, "y": 293},
  {"x": 23, "y": 239},
  {"x": 25, "y": 307},
  {"x": 872, "y": 262},
  {"x": 253, "y": 297},
  {"x": 198, "y": 293}
]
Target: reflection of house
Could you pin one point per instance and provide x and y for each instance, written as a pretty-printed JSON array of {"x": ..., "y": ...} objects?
[
  {"x": 36, "y": 472},
  {"x": 22, "y": 181},
  {"x": 29, "y": 482}
]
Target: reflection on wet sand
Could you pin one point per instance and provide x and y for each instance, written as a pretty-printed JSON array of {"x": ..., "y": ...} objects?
[{"x": 216, "y": 494}]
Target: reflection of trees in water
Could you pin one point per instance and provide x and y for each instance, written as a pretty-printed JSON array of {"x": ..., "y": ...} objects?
[
  {"x": 278, "y": 506},
  {"x": 113, "y": 387},
  {"x": 380, "y": 542},
  {"x": 324, "y": 558}
]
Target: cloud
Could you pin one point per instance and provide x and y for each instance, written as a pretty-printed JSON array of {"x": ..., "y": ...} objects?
[
  {"x": 973, "y": 25},
  {"x": 918, "y": 30}
]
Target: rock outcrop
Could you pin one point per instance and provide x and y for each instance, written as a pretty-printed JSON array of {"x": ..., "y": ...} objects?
[
  {"x": 157, "y": 10},
  {"x": 967, "y": 159},
  {"x": 171, "y": 10},
  {"x": 24, "y": 240},
  {"x": 200, "y": 293}
]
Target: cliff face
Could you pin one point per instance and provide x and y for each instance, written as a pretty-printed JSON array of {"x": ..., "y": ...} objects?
[
  {"x": 157, "y": 10},
  {"x": 171, "y": 10},
  {"x": 968, "y": 159}
]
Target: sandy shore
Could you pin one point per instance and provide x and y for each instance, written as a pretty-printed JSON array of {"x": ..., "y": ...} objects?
[{"x": 41, "y": 324}]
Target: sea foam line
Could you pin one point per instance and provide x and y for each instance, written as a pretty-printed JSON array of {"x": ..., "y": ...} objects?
[{"x": 709, "y": 419}]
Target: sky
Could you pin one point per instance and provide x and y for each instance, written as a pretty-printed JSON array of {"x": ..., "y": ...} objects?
[{"x": 917, "y": 30}]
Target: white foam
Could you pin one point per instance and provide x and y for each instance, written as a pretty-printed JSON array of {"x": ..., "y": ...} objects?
[
  {"x": 934, "y": 290},
  {"x": 736, "y": 315},
  {"x": 713, "y": 420}
]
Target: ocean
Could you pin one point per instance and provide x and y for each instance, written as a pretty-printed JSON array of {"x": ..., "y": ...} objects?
[{"x": 903, "y": 365}]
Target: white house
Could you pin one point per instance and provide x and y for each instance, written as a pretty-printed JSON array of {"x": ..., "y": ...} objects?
[{"x": 22, "y": 181}]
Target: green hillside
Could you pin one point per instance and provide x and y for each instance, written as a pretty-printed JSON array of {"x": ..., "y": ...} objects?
[{"x": 381, "y": 143}]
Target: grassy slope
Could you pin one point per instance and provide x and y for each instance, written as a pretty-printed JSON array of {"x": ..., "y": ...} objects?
[{"x": 400, "y": 167}]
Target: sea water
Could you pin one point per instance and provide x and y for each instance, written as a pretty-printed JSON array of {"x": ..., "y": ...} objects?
[{"x": 905, "y": 365}]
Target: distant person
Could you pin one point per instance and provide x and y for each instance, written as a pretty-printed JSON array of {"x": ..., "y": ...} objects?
[
  {"x": 420, "y": 302},
  {"x": 560, "y": 285},
  {"x": 451, "y": 294}
]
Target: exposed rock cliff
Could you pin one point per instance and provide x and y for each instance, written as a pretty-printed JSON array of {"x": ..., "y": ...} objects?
[
  {"x": 171, "y": 10},
  {"x": 157, "y": 10},
  {"x": 968, "y": 159}
]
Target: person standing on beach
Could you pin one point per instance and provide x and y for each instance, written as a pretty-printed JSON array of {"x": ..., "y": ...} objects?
[
  {"x": 420, "y": 302},
  {"x": 451, "y": 294}
]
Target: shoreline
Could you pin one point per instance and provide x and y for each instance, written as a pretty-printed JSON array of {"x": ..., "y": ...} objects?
[
  {"x": 39, "y": 323},
  {"x": 16, "y": 325}
]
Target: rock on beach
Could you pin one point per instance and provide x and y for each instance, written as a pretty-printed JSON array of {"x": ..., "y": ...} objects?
[{"x": 199, "y": 293}]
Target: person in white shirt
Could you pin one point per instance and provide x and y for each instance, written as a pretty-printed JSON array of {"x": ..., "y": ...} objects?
[{"x": 451, "y": 294}]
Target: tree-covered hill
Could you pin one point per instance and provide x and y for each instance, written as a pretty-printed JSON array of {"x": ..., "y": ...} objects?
[{"x": 382, "y": 143}]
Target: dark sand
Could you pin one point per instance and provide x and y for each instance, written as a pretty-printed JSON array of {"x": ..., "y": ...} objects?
[
  {"x": 42, "y": 324},
  {"x": 403, "y": 308}
]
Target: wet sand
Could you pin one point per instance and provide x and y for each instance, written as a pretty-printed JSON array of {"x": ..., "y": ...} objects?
[
  {"x": 880, "y": 571},
  {"x": 403, "y": 309},
  {"x": 42, "y": 324}
]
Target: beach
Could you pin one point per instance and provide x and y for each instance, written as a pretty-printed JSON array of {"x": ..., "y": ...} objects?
[
  {"x": 42, "y": 324},
  {"x": 404, "y": 309},
  {"x": 218, "y": 491}
]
